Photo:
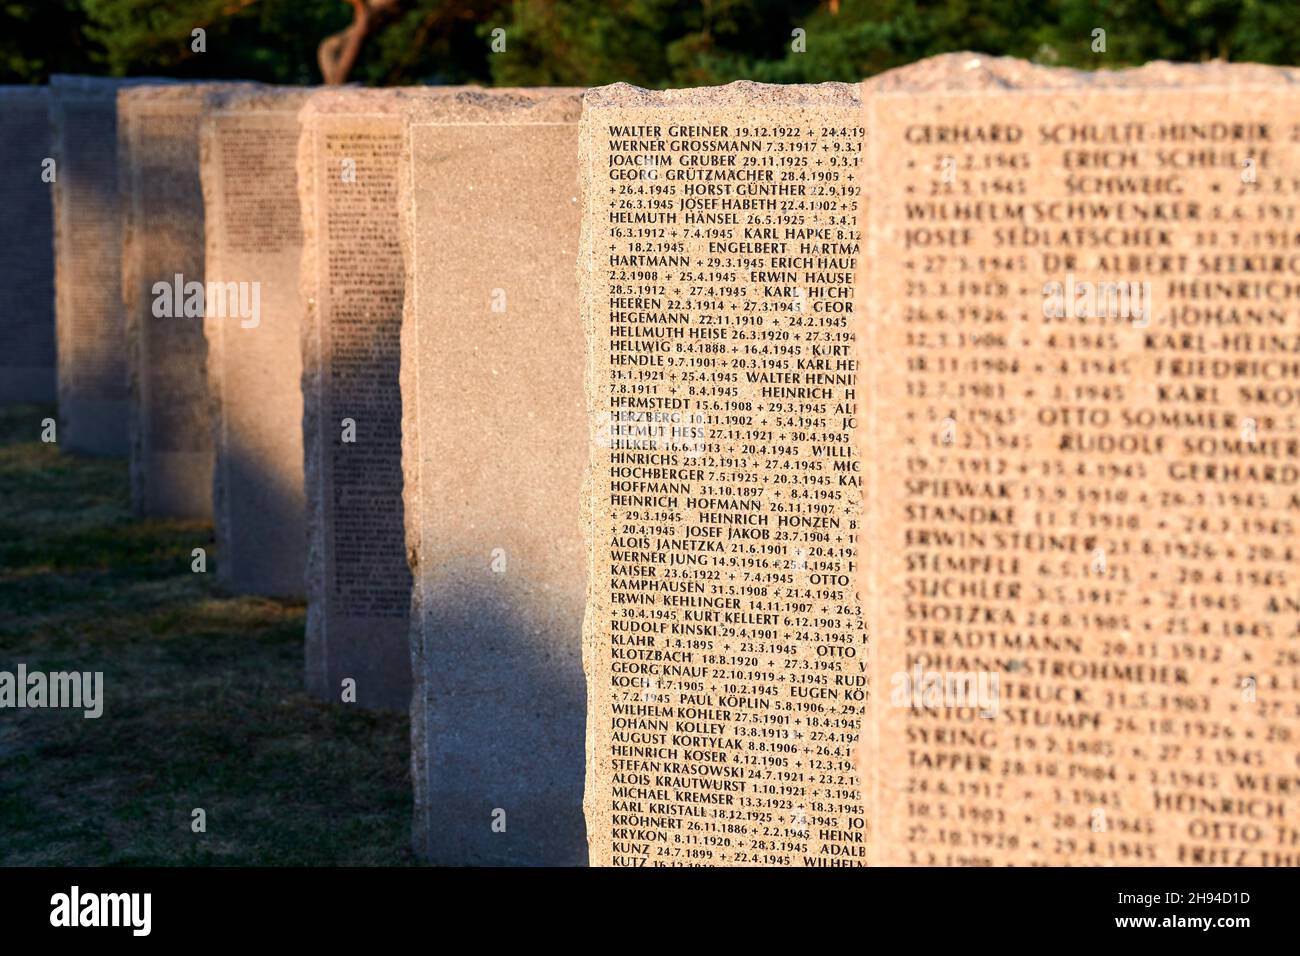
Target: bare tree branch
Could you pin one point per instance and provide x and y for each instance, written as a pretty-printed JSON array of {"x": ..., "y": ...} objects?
[{"x": 337, "y": 54}]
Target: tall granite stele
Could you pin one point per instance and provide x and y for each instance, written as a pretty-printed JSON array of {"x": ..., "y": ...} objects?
[
  {"x": 164, "y": 297},
  {"x": 358, "y": 584},
  {"x": 722, "y": 637},
  {"x": 1083, "y": 449},
  {"x": 89, "y": 315},
  {"x": 26, "y": 249},
  {"x": 493, "y": 449},
  {"x": 253, "y": 225}
]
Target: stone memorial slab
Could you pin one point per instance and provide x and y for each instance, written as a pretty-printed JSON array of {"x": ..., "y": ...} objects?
[
  {"x": 1060, "y": 498},
  {"x": 249, "y": 144},
  {"x": 90, "y": 318},
  {"x": 494, "y": 449},
  {"x": 1079, "y": 308},
  {"x": 165, "y": 297},
  {"x": 26, "y": 247},
  {"x": 724, "y": 644},
  {"x": 352, "y": 279}
]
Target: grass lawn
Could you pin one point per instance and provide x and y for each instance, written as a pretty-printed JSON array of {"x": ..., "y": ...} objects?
[{"x": 203, "y": 699}]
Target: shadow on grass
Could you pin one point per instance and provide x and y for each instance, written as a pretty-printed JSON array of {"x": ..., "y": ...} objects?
[{"x": 203, "y": 705}]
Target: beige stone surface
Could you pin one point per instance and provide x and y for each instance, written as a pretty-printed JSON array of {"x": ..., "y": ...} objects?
[
  {"x": 1073, "y": 534},
  {"x": 162, "y": 205},
  {"x": 978, "y": 72},
  {"x": 352, "y": 286},
  {"x": 494, "y": 446},
  {"x": 723, "y": 645},
  {"x": 1097, "y": 510},
  {"x": 253, "y": 226}
]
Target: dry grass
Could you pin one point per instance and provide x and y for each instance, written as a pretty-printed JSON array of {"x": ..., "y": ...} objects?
[{"x": 203, "y": 695}]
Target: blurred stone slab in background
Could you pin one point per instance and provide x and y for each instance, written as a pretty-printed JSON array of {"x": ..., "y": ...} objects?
[
  {"x": 1083, "y": 501},
  {"x": 26, "y": 247},
  {"x": 163, "y": 294},
  {"x": 253, "y": 229},
  {"x": 358, "y": 583},
  {"x": 494, "y": 447},
  {"x": 90, "y": 318}
]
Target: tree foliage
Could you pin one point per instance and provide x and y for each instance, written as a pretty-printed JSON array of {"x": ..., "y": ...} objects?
[{"x": 653, "y": 43}]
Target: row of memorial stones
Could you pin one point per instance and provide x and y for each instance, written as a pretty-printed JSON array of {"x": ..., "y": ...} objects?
[
  {"x": 224, "y": 267},
  {"x": 390, "y": 390}
]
